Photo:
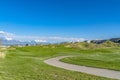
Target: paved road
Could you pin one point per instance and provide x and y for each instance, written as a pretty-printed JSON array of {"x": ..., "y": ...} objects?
[{"x": 95, "y": 71}]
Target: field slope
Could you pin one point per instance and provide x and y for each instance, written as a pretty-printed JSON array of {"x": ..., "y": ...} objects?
[
  {"x": 26, "y": 63},
  {"x": 99, "y": 59}
]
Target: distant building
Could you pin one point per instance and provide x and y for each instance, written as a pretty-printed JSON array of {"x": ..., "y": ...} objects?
[
  {"x": 116, "y": 40},
  {"x": 88, "y": 41},
  {"x": 98, "y": 41}
]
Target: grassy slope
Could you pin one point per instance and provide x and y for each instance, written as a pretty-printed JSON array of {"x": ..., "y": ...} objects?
[
  {"x": 102, "y": 58},
  {"x": 27, "y": 64}
]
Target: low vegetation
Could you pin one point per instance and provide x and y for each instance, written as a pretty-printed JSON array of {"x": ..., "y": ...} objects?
[
  {"x": 85, "y": 45},
  {"x": 2, "y": 52},
  {"x": 26, "y": 63},
  {"x": 109, "y": 59},
  {"x": 105, "y": 55}
]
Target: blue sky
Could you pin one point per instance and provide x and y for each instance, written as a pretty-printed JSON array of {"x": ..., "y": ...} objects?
[{"x": 89, "y": 19}]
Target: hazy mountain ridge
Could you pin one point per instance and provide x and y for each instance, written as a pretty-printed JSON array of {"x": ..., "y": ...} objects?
[
  {"x": 5, "y": 41},
  {"x": 19, "y": 42}
]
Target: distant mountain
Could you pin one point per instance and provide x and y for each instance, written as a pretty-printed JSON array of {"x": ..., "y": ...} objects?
[
  {"x": 19, "y": 42},
  {"x": 6, "y": 41}
]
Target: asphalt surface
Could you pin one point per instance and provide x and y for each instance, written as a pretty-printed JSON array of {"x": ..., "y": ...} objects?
[{"x": 90, "y": 70}]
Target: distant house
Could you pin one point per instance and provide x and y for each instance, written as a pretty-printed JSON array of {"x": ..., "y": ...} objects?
[
  {"x": 88, "y": 41},
  {"x": 117, "y": 40},
  {"x": 98, "y": 41}
]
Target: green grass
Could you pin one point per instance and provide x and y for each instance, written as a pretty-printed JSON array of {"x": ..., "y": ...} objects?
[
  {"x": 26, "y": 63},
  {"x": 107, "y": 58}
]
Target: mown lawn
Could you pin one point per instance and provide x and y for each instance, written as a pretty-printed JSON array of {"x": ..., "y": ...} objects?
[
  {"x": 26, "y": 63},
  {"x": 101, "y": 58}
]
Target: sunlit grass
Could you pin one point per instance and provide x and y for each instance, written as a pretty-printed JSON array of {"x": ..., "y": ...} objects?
[
  {"x": 109, "y": 59},
  {"x": 26, "y": 63}
]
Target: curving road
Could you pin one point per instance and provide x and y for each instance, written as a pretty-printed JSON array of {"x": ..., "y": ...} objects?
[{"x": 95, "y": 71}]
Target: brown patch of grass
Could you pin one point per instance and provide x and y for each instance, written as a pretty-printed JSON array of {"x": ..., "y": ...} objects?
[{"x": 2, "y": 55}]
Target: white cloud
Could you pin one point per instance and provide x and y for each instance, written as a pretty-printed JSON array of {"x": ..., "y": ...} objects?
[
  {"x": 40, "y": 41},
  {"x": 10, "y": 36},
  {"x": 8, "y": 39},
  {"x": 70, "y": 39},
  {"x": 6, "y": 35}
]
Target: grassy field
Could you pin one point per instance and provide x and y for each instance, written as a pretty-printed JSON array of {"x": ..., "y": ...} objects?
[
  {"x": 101, "y": 58},
  {"x": 26, "y": 63}
]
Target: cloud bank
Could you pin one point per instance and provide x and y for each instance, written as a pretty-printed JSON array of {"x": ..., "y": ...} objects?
[
  {"x": 7, "y": 35},
  {"x": 10, "y": 36}
]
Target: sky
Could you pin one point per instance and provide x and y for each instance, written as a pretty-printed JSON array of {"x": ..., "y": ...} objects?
[{"x": 63, "y": 19}]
